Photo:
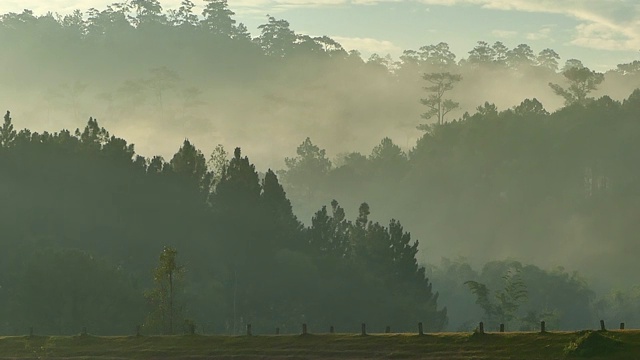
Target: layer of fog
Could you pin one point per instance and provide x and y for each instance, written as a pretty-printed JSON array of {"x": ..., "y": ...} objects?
[{"x": 270, "y": 111}]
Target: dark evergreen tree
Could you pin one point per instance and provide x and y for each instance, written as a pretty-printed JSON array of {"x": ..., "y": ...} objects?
[
  {"x": 217, "y": 18},
  {"x": 7, "y": 133}
]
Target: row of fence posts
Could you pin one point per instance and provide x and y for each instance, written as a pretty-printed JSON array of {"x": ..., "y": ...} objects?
[
  {"x": 387, "y": 330},
  {"x": 543, "y": 327},
  {"x": 363, "y": 331}
]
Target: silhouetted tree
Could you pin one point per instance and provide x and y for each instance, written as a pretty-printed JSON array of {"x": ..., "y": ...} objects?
[
  {"x": 7, "y": 133},
  {"x": 276, "y": 38},
  {"x": 581, "y": 81},
  {"x": 217, "y": 18},
  {"x": 437, "y": 105},
  {"x": 548, "y": 59}
]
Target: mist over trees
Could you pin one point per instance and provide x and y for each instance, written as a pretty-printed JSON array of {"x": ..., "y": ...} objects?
[
  {"x": 200, "y": 74},
  {"x": 551, "y": 188},
  {"x": 445, "y": 144}
]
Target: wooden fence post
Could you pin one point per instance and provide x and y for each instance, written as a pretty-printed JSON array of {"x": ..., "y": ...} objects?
[
  {"x": 543, "y": 327},
  {"x": 481, "y": 327},
  {"x": 621, "y": 326},
  {"x": 249, "y": 333},
  {"x": 420, "y": 332},
  {"x": 501, "y": 328},
  {"x": 364, "y": 329},
  {"x": 387, "y": 330},
  {"x": 304, "y": 329},
  {"x": 602, "y": 325}
]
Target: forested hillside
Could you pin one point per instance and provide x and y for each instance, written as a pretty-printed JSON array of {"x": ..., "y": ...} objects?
[
  {"x": 555, "y": 187},
  {"x": 515, "y": 169},
  {"x": 159, "y": 76}
]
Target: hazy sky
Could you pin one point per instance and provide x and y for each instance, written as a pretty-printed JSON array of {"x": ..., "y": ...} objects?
[{"x": 602, "y": 33}]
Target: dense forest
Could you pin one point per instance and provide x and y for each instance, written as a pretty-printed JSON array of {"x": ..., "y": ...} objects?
[
  {"x": 86, "y": 220},
  {"x": 93, "y": 228}
]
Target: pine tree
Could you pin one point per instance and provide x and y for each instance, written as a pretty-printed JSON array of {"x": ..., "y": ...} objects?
[
  {"x": 218, "y": 18},
  {"x": 7, "y": 132},
  {"x": 282, "y": 225}
]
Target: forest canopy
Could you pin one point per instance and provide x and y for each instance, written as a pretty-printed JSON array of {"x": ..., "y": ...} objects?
[{"x": 502, "y": 153}]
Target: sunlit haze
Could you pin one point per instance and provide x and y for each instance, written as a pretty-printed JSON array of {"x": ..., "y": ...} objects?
[{"x": 600, "y": 33}]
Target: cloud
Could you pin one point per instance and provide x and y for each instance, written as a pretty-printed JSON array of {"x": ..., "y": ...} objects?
[
  {"x": 42, "y": 7},
  {"x": 605, "y": 24},
  {"x": 368, "y": 46},
  {"x": 504, "y": 34},
  {"x": 542, "y": 34}
]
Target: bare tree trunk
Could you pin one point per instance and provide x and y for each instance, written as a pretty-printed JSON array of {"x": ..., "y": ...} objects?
[
  {"x": 235, "y": 291},
  {"x": 171, "y": 303}
]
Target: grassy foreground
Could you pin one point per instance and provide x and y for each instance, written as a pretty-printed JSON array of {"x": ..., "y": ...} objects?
[{"x": 521, "y": 346}]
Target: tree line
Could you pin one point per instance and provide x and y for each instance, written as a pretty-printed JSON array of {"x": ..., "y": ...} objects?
[
  {"x": 195, "y": 71},
  {"x": 211, "y": 33},
  {"x": 84, "y": 219},
  {"x": 83, "y": 205},
  {"x": 123, "y": 22},
  {"x": 549, "y": 188}
]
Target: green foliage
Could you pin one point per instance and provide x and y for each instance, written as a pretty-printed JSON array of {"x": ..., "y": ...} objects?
[
  {"x": 7, "y": 133},
  {"x": 501, "y": 308},
  {"x": 166, "y": 308},
  {"x": 592, "y": 344}
]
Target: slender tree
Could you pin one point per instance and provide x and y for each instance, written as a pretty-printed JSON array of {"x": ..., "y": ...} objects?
[
  {"x": 166, "y": 277},
  {"x": 437, "y": 105},
  {"x": 7, "y": 133},
  {"x": 507, "y": 301}
]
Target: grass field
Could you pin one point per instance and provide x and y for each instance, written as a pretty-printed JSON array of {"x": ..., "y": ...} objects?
[{"x": 452, "y": 346}]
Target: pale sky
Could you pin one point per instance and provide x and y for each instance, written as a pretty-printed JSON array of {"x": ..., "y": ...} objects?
[{"x": 601, "y": 33}]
